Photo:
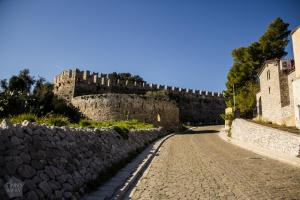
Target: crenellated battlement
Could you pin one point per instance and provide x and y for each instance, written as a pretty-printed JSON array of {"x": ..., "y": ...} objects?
[
  {"x": 85, "y": 82},
  {"x": 195, "y": 106}
]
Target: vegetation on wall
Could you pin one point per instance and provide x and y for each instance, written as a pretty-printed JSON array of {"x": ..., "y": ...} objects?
[
  {"x": 59, "y": 120},
  {"x": 248, "y": 60},
  {"x": 125, "y": 76}
]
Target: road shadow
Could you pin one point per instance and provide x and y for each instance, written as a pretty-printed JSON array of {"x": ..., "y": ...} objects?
[
  {"x": 204, "y": 129},
  {"x": 197, "y": 132}
]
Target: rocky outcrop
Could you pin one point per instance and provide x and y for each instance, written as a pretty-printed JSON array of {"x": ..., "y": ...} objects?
[{"x": 58, "y": 162}]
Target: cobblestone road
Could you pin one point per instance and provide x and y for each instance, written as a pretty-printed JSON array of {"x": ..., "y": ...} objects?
[{"x": 203, "y": 166}]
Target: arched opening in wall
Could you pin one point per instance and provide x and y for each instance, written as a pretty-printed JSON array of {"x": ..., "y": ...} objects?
[
  {"x": 298, "y": 112},
  {"x": 259, "y": 107},
  {"x": 158, "y": 118}
]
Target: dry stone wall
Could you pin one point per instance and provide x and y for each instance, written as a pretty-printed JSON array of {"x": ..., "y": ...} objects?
[
  {"x": 58, "y": 162},
  {"x": 265, "y": 137}
]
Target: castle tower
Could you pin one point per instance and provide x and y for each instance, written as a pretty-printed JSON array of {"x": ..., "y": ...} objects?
[
  {"x": 296, "y": 83},
  {"x": 64, "y": 84}
]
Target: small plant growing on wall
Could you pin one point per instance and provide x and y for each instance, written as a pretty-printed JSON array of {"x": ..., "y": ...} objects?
[
  {"x": 126, "y": 115},
  {"x": 228, "y": 118}
]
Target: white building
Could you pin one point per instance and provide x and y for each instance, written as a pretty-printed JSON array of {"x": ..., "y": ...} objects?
[{"x": 278, "y": 100}]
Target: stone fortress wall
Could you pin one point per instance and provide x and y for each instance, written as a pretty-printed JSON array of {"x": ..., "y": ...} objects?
[
  {"x": 195, "y": 106},
  {"x": 80, "y": 83},
  {"x": 108, "y": 107}
]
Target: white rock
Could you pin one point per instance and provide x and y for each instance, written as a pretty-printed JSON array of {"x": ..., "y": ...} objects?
[
  {"x": 5, "y": 124},
  {"x": 27, "y": 124}
]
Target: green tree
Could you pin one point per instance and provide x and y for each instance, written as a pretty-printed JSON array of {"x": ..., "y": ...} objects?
[
  {"x": 24, "y": 94},
  {"x": 248, "y": 60},
  {"x": 17, "y": 84},
  {"x": 28, "y": 80},
  {"x": 3, "y": 85}
]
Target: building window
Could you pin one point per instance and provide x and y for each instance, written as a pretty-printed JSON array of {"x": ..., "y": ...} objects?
[
  {"x": 269, "y": 90},
  {"x": 268, "y": 75}
]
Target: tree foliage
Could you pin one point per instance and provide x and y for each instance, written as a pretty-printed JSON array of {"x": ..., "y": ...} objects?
[
  {"x": 248, "y": 60},
  {"x": 25, "y": 94},
  {"x": 125, "y": 76}
]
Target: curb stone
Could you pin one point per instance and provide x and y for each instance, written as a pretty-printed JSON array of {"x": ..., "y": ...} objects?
[
  {"x": 287, "y": 159},
  {"x": 117, "y": 186},
  {"x": 123, "y": 190}
]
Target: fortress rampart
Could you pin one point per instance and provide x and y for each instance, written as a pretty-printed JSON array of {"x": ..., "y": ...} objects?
[
  {"x": 71, "y": 83},
  {"x": 109, "y": 107},
  {"x": 195, "y": 106}
]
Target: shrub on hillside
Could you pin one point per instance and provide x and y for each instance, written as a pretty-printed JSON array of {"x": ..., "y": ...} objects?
[
  {"x": 18, "y": 119},
  {"x": 56, "y": 120},
  {"x": 86, "y": 123},
  {"x": 24, "y": 94},
  {"x": 123, "y": 131}
]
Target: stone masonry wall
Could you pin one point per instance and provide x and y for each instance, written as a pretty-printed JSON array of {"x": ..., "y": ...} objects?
[
  {"x": 64, "y": 84},
  {"x": 57, "y": 163},
  {"x": 201, "y": 110},
  {"x": 86, "y": 83},
  {"x": 195, "y": 106},
  {"x": 270, "y": 92},
  {"x": 111, "y": 107},
  {"x": 284, "y": 89},
  {"x": 276, "y": 94},
  {"x": 265, "y": 137}
]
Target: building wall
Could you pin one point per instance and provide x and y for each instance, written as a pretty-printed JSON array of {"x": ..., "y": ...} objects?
[
  {"x": 296, "y": 82},
  {"x": 296, "y": 49},
  {"x": 276, "y": 94},
  {"x": 284, "y": 88},
  {"x": 110, "y": 107},
  {"x": 296, "y": 90},
  {"x": 271, "y": 102}
]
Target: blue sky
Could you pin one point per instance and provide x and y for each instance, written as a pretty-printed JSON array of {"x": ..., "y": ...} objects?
[{"x": 181, "y": 43}]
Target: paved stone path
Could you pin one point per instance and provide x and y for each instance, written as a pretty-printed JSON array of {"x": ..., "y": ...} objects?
[{"x": 203, "y": 166}]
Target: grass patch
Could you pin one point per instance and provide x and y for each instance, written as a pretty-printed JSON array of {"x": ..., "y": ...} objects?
[
  {"x": 18, "y": 119},
  {"x": 122, "y": 127},
  {"x": 49, "y": 120},
  {"x": 290, "y": 129},
  {"x": 55, "y": 121},
  {"x": 86, "y": 123}
]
